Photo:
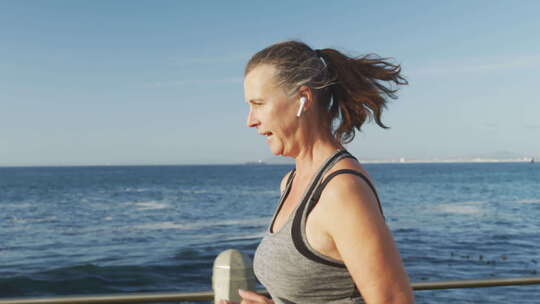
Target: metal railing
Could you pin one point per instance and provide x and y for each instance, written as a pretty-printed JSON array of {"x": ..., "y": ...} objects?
[
  {"x": 121, "y": 298},
  {"x": 209, "y": 295},
  {"x": 232, "y": 270},
  {"x": 475, "y": 283}
]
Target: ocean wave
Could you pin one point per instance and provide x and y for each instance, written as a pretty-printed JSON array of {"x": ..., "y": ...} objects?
[
  {"x": 165, "y": 225},
  {"x": 245, "y": 222},
  {"x": 16, "y": 205},
  {"x": 129, "y": 189},
  {"x": 253, "y": 236},
  {"x": 470, "y": 202},
  {"x": 78, "y": 279},
  {"x": 47, "y": 219},
  {"x": 529, "y": 201},
  {"x": 226, "y": 236},
  {"x": 228, "y": 191},
  {"x": 466, "y": 207},
  {"x": 196, "y": 191},
  {"x": 263, "y": 221},
  {"x": 151, "y": 205}
]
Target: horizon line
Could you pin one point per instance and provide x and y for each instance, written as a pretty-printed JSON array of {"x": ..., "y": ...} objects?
[{"x": 255, "y": 163}]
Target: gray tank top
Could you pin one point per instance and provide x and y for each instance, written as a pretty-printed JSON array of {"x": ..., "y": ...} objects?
[{"x": 290, "y": 269}]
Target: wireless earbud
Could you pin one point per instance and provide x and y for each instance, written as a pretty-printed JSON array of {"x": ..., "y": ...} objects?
[{"x": 301, "y": 108}]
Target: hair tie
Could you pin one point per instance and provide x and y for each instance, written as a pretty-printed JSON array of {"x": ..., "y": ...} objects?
[
  {"x": 319, "y": 54},
  {"x": 329, "y": 87}
]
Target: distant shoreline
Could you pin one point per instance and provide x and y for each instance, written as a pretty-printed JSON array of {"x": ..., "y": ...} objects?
[
  {"x": 418, "y": 161},
  {"x": 262, "y": 163},
  {"x": 475, "y": 160}
]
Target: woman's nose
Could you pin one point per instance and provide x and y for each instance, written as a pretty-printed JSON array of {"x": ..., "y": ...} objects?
[{"x": 251, "y": 121}]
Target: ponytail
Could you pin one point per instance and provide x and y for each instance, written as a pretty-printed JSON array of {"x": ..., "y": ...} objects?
[{"x": 359, "y": 91}]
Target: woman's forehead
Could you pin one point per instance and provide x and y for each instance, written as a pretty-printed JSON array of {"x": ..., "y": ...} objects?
[{"x": 260, "y": 78}]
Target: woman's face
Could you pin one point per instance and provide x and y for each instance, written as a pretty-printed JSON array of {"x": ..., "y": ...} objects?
[{"x": 271, "y": 111}]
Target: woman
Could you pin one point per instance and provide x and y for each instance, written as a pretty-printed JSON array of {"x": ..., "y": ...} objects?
[{"x": 327, "y": 242}]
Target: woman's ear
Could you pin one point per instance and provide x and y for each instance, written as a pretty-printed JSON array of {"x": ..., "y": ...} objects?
[{"x": 307, "y": 93}]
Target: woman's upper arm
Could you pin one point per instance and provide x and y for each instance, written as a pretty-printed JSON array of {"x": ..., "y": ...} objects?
[{"x": 364, "y": 242}]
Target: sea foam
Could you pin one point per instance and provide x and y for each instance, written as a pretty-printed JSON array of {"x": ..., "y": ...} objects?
[
  {"x": 467, "y": 207},
  {"x": 259, "y": 221},
  {"x": 151, "y": 205},
  {"x": 529, "y": 201}
]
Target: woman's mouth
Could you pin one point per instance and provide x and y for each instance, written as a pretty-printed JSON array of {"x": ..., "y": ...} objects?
[{"x": 267, "y": 135}]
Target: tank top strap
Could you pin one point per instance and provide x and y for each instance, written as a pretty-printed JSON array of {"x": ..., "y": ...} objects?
[
  {"x": 290, "y": 178},
  {"x": 314, "y": 182},
  {"x": 282, "y": 198},
  {"x": 329, "y": 163},
  {"x": 318, "y": 192},
  {"x": 298, "y": 223}
]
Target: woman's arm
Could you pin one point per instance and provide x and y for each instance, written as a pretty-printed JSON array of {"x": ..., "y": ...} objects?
[{"x": 363, "y": 240}]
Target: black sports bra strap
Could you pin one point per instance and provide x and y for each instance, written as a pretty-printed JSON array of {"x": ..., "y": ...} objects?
[
  {"x": 289, "y": 179},
  {"x": 317, "y": 195},
  {"x": 321, "y": 171}
]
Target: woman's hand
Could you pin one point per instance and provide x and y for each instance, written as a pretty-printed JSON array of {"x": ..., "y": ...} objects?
[{"x": 249, "y": 297}]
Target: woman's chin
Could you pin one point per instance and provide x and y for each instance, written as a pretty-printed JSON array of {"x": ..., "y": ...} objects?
[
  {"x": 276, "y": 150},
  {"x": 276, "y": 153}
]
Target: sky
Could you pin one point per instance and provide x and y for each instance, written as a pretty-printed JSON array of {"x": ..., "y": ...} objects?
[{"x": 160, "y": 82}]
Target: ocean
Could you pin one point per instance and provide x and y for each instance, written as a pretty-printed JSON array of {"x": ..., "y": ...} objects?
[{"x": 114, "y": 229}]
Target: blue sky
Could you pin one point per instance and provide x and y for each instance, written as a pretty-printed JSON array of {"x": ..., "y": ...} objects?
[{"x": 160, "y": 82}]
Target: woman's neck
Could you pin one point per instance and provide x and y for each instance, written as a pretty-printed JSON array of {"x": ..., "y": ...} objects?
[{"x": 311, "y": 157}]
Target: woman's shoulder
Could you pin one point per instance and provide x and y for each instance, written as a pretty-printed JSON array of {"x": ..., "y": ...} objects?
[
  {"x": 346, "y": 170},
  {"x": 347, "y": 183}
]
